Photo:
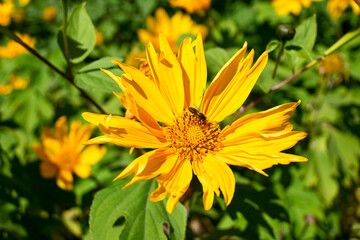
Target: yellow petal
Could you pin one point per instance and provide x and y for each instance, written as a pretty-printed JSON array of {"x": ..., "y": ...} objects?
[
  {"x": 64, "y": 179},
  {"x": 214, "y": 174},
  {"x": 272, "y": 121},
  {"x": 152, "y": 163},
  {"x": 48, "y": 170},
  {"x": 124, "y": 132},
  {"x": 92, "y": 154},
  {"x": 167, "y": 74},
  {"x": 256, "y": 161},
  {"x": 175, "y": 183},
  {"x": 194, "y": 65},
  {"x": 61, "y": 128},
  {"x": 82, "y": 170},
  {"x": 232, "y": 86}
]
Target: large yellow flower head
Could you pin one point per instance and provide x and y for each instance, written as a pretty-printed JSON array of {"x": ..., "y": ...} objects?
[
  {"x": 179, "y": 118},
  {"x": 173, "y": 28},
  {"x": 13, "y": 49},
  {"x": 284, "y": 7},
  {"x": 62, "y": 153},
  {"x": 337, "y": 7},
  {"x": 191, "y": 6}
]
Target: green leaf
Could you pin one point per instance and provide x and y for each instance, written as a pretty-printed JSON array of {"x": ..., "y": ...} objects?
[
  {"x": 347, "y": 148},
  {"x": 298, "y": 51},
  {"x": 118, "y": 213},
  {"x": 272, "y": 45},
  {"x": 80, "y": 35},
  {"x": 216, "y": 59},
  {"x": 91, "y": 77},
  {"x": 305, "y": 35}
]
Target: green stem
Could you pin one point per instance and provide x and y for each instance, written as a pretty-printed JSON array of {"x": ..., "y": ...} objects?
[
  {"x": 282, "y": 46},
  {"x": 64, "y": 31},
  {"x": 338, "y": 44},
  {"x": 14, "y": 37}
]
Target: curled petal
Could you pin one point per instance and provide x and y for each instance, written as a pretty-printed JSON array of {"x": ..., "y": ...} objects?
[
  {"x": 175, "y": 183},
  {"x": 214, "y": 174},
  {"x": 124, "y": 132}
]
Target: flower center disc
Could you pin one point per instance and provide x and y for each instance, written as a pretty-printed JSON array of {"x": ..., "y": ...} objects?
[{"x": 193, "y": 136}]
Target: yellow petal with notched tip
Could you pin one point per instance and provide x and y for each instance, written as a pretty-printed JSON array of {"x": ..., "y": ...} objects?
[
  {"x": 214, "y": 175},
  {"x": 124, "y": 132}
]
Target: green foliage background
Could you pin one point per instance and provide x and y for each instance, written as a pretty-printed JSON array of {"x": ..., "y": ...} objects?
[{"x": 318, "y": 199}]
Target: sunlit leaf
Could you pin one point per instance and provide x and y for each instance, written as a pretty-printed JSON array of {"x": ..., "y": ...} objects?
[
  {"x": 118, "y": 213},
  {"x": 91, "y": 77},
  {"x": 80, "y": 35}
]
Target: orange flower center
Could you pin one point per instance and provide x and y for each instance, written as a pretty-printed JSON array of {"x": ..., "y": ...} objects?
[{"x": 193, "y": 136}]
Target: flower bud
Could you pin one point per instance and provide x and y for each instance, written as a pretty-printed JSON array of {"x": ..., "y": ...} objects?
[{"x": 285, "y": 31}]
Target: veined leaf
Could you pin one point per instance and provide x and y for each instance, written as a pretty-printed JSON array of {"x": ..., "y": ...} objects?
[
  {"x": 80, "y": 35},
  {"x": 118, "y": 213},
  {"x": 91, "y": 77}
]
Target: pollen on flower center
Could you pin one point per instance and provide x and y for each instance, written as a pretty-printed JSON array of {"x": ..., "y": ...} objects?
[{"x": 193, "y": 136}]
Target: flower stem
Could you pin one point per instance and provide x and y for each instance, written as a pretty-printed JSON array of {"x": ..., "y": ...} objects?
[
  {"x": 36, "y": 54},
  {"x": 64, "y": 37},
  {"x": 282, "y": 46},
  {"x": 338, "y": 44}
]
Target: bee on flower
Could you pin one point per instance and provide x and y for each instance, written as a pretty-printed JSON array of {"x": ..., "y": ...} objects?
[
  {"x": 179, "y": 119},
  {"x": 62, "y": 153}
]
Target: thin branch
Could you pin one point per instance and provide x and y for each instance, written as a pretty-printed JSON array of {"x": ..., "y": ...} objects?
[{"x": 36, "y": 54}]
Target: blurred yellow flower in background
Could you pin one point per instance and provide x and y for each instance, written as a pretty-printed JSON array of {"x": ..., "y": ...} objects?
[
  {"x": 173, "y": 28},
  {"x": 332, "y": 68},
  {"x": 337, "y": 7},
  {"x": 189, "y": 139},
  {"x": 6, "y": 9},
  {"x": 284, "y": 7},
  {"x": 49, "y": 13},
  {"x": 62, "y": 153},
  {"x": 13, "y": 49},
  {"x": 15, "y": 83},
  {"x": 99, "y": 38},
  {"x": 191, "y": 6}
]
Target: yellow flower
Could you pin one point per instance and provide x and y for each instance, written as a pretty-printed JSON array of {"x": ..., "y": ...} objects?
[
  {"x": 5, "y": 89},
  {"x": 61, "y": 153},
  {"x": 188, "y": 139},
  {"x": 173, "y": 28},
  {"x": 337, "y": 7},
  {"x": 12, "y": 49},
  {"x": 15, "y": 83},
  {"x": 191, "y": 6},
  {"x": 99, "y": 38},
  {"x": 49, "y": 13},
  {"x": 284, "y": 7},
  {"x": 23, "y": 3},
  {"x": 6, "y": 9}
]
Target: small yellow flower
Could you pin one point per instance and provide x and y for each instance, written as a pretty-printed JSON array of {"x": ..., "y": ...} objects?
[
  {"x": 173, "y": 28},
  {"x": 284, "y": 7},
  {"x": 6, "y": 9},
  {"x": 13, "y": 49},
  {"x": 99, "y": 38},
  {"x": 49, "y": 13},
  {"x": 15, "y": 83},
  {"x": 23, "y": 3},
  {"x": 5, "y": 89},
  {"x": 337, "y": 7},
  {"x": 179, "y": 119},
  {"x": 63, "y": 153},
  {"x": 191, "y": 6},
  {"x": 333, "y": 70}
]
